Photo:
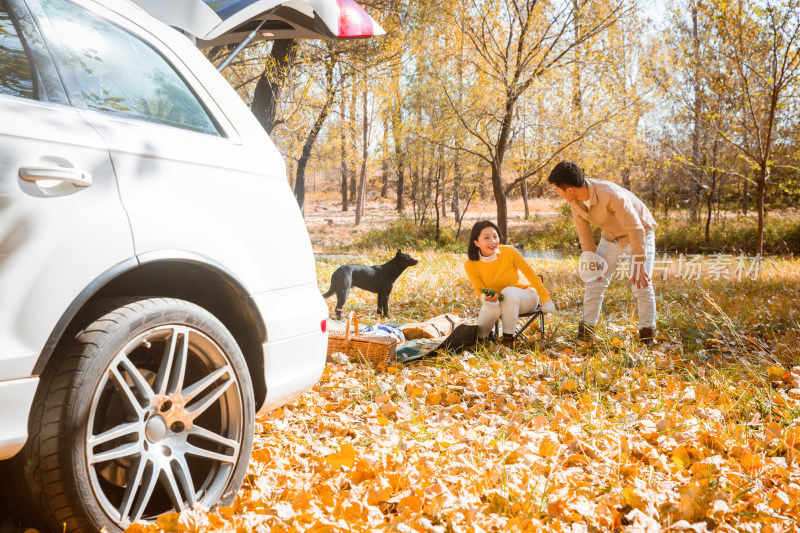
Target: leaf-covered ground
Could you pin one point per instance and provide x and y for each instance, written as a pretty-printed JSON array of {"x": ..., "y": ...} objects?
[{"x": 698, "y": 434}]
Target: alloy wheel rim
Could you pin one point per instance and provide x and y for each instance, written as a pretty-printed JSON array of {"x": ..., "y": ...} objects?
[{"x": 165, "y": 425}]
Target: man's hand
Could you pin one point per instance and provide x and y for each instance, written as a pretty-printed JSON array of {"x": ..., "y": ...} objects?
[{"x": 640, "y": 278}]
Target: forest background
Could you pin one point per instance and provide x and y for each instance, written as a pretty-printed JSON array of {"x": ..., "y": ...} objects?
[{"x": 691, "y": 104}]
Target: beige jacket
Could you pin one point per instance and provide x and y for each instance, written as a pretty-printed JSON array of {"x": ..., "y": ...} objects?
[{"x": 617, "y": 211}]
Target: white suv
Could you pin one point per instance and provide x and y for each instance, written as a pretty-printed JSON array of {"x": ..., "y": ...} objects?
[{"x": 157, "y": 282}]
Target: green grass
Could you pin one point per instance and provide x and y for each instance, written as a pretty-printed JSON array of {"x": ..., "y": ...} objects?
[
  {"x": 403, "y": 234},
  {"x": 781, "y": 236},
  {"x": 674, "y": 234},
  {"x": 707, "y": 318}
]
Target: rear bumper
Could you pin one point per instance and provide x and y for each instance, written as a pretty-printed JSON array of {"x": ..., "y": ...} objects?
[
  {"x": 296, "y": 347},
  {"x": 292, "y": 366},
  {"x": 291, "y": 312},
  {"x": 16, "y": 399}
]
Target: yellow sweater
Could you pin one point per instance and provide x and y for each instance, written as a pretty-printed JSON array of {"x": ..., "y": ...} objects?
[{"x": 504, "y": 272}]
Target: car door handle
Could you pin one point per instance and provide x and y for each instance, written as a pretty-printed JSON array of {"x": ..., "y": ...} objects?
[{"x": 75, "y": 177}]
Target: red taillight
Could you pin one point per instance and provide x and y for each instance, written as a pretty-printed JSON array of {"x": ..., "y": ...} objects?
[
  {"x": 353, "y": 20},
  {"x": 323, "y": 325}
]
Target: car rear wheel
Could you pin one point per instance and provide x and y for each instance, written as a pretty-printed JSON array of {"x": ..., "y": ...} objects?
[{"x": 149, "y": 411}]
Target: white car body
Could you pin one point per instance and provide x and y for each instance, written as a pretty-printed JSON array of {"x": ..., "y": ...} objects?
[{"x": 169, "y": 212}]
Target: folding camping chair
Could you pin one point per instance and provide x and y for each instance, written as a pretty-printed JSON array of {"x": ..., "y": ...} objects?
[{"x": 530, "y": 316}]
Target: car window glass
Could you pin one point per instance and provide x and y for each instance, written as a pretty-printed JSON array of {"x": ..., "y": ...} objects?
[
  {"x": 16, "y": 72},
  {"x": 120, "y": 74}
]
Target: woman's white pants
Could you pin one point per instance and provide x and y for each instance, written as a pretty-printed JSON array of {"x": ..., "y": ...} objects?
[{"x": 515, "y": 301}]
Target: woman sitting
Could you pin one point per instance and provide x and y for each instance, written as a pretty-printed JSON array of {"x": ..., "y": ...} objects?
[{"x": 497, "y": 267}]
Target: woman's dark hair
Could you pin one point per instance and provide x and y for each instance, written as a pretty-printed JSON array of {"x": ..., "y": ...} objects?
[
  {"x": 566, "y": 174},
  {"x": 472, "y": 251}
]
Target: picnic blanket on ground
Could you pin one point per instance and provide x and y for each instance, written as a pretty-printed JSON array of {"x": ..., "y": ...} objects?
[
  {"x": 415, "y": 349},
  {"x": 463, "y": 336},
  {"x": 383, "y": 329}
]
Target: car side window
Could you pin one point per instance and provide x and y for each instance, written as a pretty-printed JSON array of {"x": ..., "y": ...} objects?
[
  {"x": 118, "y": 73},
  {"x": 16, "y": 69}
]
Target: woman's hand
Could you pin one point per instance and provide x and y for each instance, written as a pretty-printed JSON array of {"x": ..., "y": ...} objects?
[
  {"x": 489, "y": 295},
  {"x": 494, "y": 298}
]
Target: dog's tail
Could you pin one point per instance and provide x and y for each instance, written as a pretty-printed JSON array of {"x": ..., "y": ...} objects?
[{"x": 329, "y": 293}]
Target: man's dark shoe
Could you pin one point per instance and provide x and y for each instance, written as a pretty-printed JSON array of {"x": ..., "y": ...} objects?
[
  {"x": 585, "y": 332},
  {"x": 646, "y": 336}
]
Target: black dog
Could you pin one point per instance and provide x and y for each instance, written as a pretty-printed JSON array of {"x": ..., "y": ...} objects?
[{"x": 377, "y": 278}]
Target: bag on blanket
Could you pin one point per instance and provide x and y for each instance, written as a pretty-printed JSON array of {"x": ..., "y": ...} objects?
[
  {"x": 438, "y": 326},
  {"x": 463, "y": 336}
]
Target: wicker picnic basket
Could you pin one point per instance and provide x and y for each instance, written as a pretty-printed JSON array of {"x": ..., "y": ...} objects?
[{"x": 376, "y": 349}]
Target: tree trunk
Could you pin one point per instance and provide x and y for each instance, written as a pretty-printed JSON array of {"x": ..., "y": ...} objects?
[
  {"x": 401, "y": 177},
  {"x": 270, "y": 85},
  {"x": 397, "y": 137},
  {"x": 443, "y": 181},
  {"x": 414, "y": 189},
  {"x": 501, "y": 202},
  {"x": 456, "y": 185},
  {"x": 362, "y": 185},
  {"x": 497, "y": 167},
  {"x": 464, "y": 212},
  {"x": 385, "y": 163},
  {"x": 353, "y": 183},
  {"x": 400, "y": 160},
  {"x": 745, "y": 196},
  {"x": 456, "y": 162},
  {"x": 300, "y": 181},
  {"x": 654, "y": 190},
  {"x": 763, "y": 173},
  {"x": 694, "y": 188},
  {"x": 525, "y": 199},
  {"x": 385, "y": 178},
  {"x": 422, "y": 198},
  {"x": 762, "y": 186},
  {"x": 709, "y": 205},
  {"x": 428, "y": 180},
  {"x": 345, "y": 171},
  {"x": 577, "y": 89},
  {"x": 438, "y": 196}
]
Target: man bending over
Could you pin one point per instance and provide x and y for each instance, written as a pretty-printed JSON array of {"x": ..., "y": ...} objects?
[{"x": 627, "y": 231}]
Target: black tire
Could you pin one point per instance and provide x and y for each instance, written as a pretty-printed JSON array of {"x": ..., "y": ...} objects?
[{"x": 93, "y": 458}]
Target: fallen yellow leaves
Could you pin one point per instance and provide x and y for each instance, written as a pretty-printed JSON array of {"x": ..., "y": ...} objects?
[
  {"x": 775, "y": 373},
  {"x": 572, "y": 439},
  {"x": 517, "y": 455},
  {"x": 346, "y": 456},
  {"x": 568, "y": 386}
]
